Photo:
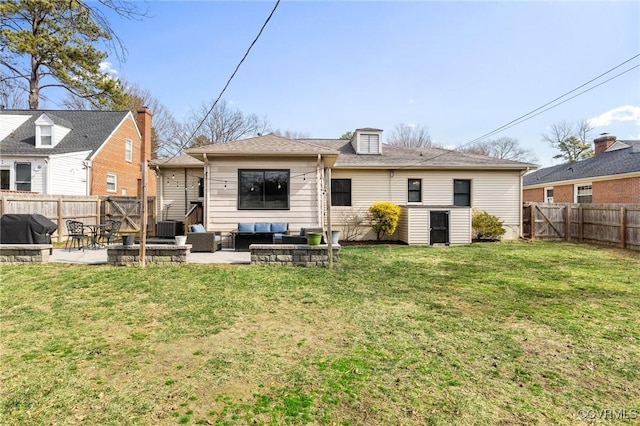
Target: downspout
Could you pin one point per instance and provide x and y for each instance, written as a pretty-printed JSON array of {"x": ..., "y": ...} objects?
[
  {"x": 160, "y": 189},
  {"x": 88, "y": 165},
  {"x": 186, "y": 189},
  {"x": 47, "y": 177},
  {"x": 205, "y": 204},
  {"x": 319, "y": 191},
  {"x": 520, "y": 203}
]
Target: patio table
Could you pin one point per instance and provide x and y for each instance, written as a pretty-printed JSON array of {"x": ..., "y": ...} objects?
[{"x": 95, "y": 233}]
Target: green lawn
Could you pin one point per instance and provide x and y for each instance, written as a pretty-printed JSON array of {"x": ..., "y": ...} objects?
[{"x": 505, "y": 333}]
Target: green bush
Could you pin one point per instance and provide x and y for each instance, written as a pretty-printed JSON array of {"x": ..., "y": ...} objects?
[
  {"x": 384, "y": 216},
  {"x": 486, "y": 226}
]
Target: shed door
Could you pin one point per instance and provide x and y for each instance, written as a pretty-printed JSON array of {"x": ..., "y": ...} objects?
[{"x": 439, "y": 231}]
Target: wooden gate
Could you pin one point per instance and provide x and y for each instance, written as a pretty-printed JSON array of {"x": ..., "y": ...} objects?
[{"x": 128, "y": 210}]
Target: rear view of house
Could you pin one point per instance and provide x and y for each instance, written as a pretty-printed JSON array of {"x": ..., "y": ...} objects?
[
  {"x": 61, "y": 152},
  {"x": 308, "y": 182}
]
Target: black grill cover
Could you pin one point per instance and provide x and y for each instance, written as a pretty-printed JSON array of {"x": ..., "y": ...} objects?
[{"x": 26, "y": 229}]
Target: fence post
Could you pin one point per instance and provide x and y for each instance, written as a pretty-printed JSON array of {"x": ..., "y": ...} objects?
[
  {"x": 61, "y": 222},
  {"x": 567, "y": 222},
  {"x": 532, "y": 226},
  {"x": 623, "y": 227},
  {"x": 580, "y": 224}
]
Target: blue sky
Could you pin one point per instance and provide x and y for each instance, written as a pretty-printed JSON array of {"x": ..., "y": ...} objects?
[{"x": 460, "y": 69}]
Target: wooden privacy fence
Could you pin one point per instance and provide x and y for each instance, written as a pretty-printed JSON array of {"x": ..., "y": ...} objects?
[
  {"x": 607, "y": 224},
  {"x": 87, "y": 209}
]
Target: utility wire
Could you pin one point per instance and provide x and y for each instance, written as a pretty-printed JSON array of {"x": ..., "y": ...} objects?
[
  {"x": 184, "y": 144},
  {"x": 566, "y": 100},
  {"x": 531, "y": 114},
  {"x": 519, "y": 119}
]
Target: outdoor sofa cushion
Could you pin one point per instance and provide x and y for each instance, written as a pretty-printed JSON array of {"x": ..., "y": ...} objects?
[
  {"x": 246, "y": 227},
  {"x": 263, "y": 227},
  {"x": 198, "y": 227}
]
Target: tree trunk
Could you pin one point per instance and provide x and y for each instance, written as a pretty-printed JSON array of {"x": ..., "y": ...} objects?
[{"x": 34, "y": 90}]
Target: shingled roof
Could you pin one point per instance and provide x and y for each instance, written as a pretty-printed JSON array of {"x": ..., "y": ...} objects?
[
  {"x": 89, "y": 130},
  {"x": 405, "y": 157},
  {"x": 609, "y": 163},
  {"x": 270, "y": 144}
]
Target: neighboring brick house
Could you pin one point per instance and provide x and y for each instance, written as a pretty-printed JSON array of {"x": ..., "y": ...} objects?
[
  {"x": 62, "y": 152},
  {"x": 612, "y": 175}
]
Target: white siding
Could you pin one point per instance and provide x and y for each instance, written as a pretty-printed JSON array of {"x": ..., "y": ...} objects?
[
  {"x": 175, "y": 192},
  {"x": 497, "y": 192},
  {"x": 304, "y": 194},
  {"x": 403, "y": 226},
  {"x": 9, "y": 123},
  {"x": 460, "y": 226},
  {"x": 67, "y": 174}
]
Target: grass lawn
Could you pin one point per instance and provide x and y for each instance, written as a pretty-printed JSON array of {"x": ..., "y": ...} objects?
[{"x": 505, "y": 333}]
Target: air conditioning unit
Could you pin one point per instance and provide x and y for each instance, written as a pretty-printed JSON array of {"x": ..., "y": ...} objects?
[{"x": 169, "y": 228}]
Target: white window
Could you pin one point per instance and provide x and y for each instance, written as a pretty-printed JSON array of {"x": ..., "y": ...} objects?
[
  {"x": 548, "y": 195},
  {"x": 128, "y": 150},
  {"x": 583, "y": 193},
  {"x": 112, "y": 182},
  {"x": 46, "y": 134}
]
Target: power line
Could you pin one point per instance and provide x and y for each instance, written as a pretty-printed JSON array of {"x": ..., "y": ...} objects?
[
  {"x": 574, "y": 96},
  {"x": 520, "y": 119},
  {"x": 184, "y": 145}
]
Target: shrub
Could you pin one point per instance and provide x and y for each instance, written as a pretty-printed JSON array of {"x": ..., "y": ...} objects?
[
  {"x": 353, "y": 223},
  {"x": 486, "y": 226},
  {"x": 384, "y": 216}
]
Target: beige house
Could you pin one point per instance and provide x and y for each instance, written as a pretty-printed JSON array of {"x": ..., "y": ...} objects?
[{"x": 272, "y": 178}]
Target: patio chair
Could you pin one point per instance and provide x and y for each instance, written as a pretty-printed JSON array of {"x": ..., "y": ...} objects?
[
  {"x": 75, "y": 233},
  {"x": 110, "y": 230}
]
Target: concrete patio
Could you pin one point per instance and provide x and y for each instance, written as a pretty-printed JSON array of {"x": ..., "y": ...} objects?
[{"x": 99, "y": 256}]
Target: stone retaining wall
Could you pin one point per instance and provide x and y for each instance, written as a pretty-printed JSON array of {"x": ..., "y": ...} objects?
[
  {"x": 25, "y": 253},
  {"x": 292, "y": 254},
  {"x": 155, "y": 254}
]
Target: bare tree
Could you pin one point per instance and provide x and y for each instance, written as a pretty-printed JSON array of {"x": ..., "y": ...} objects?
[
  {"x": 11, "y": 95},
  {"x": 504, "y": 148},
  {"x": 571, "y": 139},
  {"x": 410, "y": 135},
  {"x": 347, "y": 135},
  {"x": 223, "y": 124},
  {"x": 291, "y": 134},
  {"x": 165, "y": 128}
]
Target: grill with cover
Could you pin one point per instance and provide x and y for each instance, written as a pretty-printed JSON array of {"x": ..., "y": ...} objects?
[{"x": 26, "y": 229}]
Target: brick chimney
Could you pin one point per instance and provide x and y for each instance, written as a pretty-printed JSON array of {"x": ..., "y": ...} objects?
[
  {"x": 143, "y": 119},
  {"x": 602, "y": 143}
]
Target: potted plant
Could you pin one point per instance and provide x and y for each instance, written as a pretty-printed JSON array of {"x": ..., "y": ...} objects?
[{"x": 314, "y": 238}]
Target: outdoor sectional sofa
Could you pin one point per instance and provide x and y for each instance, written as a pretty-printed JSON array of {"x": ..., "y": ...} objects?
[{"x": 258, "y": 233}]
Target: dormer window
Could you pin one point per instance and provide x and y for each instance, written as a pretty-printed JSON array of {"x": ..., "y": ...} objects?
[
  {"x": 48, "y": 133},
  {"x": 367, "y": 141},
  {"x": 44, "y": 132}
]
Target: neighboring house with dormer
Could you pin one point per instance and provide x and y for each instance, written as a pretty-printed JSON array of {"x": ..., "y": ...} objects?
[
  {"x": 63, "y": 152},
  {"x": 612, "y": 175},
  {"x": 303, "y": 182}
]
